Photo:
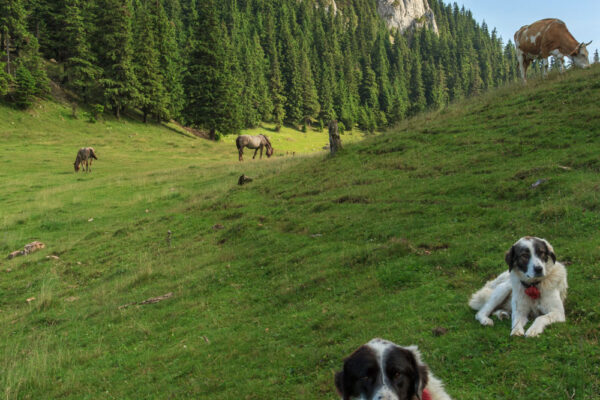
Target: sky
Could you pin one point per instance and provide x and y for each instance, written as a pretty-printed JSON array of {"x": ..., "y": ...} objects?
[{"x": 507, "y": 16}]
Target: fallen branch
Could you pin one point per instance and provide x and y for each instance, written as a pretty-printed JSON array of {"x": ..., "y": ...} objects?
[
  {"x": 28, "y": 249},
  {"x": 151, "y": 300}
]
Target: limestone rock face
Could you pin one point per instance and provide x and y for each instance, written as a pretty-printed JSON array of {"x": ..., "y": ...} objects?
[
  {"x": 328, "y": 4},
  {"x": 406, "y": 14}
]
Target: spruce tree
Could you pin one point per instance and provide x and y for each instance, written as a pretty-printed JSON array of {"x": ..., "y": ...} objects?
[
  {"x": 170, "y": 60},
  {"x": 21, "y": 49},
  {"x": 596, "y": 57},
  {"x": 114, "y": 50},
  {"x": 310, "y": 101},
  {"x": 276, "y": 89},
  {"x": 80, "y": 70},
  {"x": 151, "y": 95},
  {"x": 277, "y": 97},
  {"x": 12, "y": 30},
  {"x": 417, "y": 91},
  {"x": 4, "y": 76},
  {"x": 291, "y": 70},
  {"x": 210, "y": 86}
]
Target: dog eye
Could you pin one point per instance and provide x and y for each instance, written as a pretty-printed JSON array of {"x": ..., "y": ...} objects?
[{"x": 399, "y": 379}]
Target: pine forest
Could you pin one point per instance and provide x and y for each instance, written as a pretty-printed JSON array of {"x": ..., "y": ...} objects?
[{"x": 226, "y": 65}]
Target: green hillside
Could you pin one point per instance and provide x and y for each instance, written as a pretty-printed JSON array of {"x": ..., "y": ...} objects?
[{"x": 315, "y": 257}]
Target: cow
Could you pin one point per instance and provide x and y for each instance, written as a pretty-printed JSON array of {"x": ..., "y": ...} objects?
[{"x": 545, "y": 38}]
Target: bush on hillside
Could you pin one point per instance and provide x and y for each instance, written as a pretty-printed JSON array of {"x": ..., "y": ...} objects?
[
  {"x": 4, "y": 77},
  {"x": 96, "y": 112},
  {"x": 25, "y": 88}
]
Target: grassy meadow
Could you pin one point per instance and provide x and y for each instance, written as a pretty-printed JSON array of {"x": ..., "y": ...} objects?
[{"x": 275, "y": 282}]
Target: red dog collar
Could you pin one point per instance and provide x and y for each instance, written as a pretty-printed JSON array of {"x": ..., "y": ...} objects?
[
  {"x": 531, "y": 290},
  {"x": 426, "y": 395}
]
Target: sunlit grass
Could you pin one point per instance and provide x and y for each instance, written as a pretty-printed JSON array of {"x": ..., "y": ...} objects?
[{"x": 275, "y": 282}]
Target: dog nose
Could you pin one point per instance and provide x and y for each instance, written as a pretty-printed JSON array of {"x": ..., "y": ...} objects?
[{"x": 538, "y": 270}]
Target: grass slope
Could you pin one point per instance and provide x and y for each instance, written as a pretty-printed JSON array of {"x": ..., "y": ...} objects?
[{"x": 317, "y": 255}]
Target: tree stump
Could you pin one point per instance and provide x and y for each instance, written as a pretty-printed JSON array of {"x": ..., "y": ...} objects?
[{"x": 335, "y": 142}]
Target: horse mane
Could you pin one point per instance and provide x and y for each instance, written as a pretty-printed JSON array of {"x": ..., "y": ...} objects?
[{"x": 267, "y": 139}]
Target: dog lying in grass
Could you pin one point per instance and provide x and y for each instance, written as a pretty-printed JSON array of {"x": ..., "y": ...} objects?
[
  {"x": 535, "y": 285},
  {"x": 382, "y": 370}
]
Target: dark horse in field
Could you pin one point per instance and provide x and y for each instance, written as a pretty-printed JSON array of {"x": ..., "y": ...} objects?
[
  {"x": 253, "y": 142},
  {"x": 85, "y": 155}
]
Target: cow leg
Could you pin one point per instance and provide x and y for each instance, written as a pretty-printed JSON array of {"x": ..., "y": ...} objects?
[
  {"x": 544, "y": 67},
  {"x": 560, "y": 62},
  {"x": 255, "y": 151},
  {"x": 526, "y": 63},
  {"x": 521, "y": 62}
]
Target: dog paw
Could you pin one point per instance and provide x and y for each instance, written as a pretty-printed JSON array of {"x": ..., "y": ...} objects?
[
  {"x": 484, "y": 320},
  {"x": 533, "y": 331},
  {"x": 501, "y": 314},
  {"x": 518, "y": 331}
]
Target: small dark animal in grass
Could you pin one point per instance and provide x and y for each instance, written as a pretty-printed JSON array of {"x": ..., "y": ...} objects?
[
  {"x": 382, "y": 370},
  {"x": 84, "y": 158},
  {"x": 253, "y": 142}
]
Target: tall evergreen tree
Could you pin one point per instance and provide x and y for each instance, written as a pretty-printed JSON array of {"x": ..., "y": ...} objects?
[
  {"x": 310, "y": 101},
  {"x": 417, "y": 91},
  {"x": 170, "y": 60},
  {"x": 13, "y": 30},
  {"x": 114, "y": 50},
  {"x": 21, "y": 48},
  {"x": 80, "y": 69},
  {"x": 151, "y": 94},
  {"x": 4, "y": 76},
  {"x": 210, "y": 86}
]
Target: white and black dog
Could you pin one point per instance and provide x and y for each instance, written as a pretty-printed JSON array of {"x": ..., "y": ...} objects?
[
  {"x": 535, "y": 285},
  {"x": 382, "y": 370}
]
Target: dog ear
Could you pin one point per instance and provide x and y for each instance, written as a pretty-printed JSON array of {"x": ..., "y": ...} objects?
[
  {"x": 550, "y": 250},
  {"x": 420, "y": 375},
  {"x": 510, "y": 257},
  {"x": 420, "y": 380},
  {"x": 339, "y": 383}
]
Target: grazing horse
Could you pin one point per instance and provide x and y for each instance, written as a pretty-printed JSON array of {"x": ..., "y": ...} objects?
[
  {"x": 85, "y": 156},
  {"x": 253, "y": 142}
]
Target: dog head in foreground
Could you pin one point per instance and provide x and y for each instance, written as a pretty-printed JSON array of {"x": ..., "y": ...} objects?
[{"x": 382, "y": 370}]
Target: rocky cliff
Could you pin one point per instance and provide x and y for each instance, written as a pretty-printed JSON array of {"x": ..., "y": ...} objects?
[
  {"x": 398, "y": 14},
  {"x": 406, "y": 14}
]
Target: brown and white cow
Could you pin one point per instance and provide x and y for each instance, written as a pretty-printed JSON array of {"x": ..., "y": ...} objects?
[{"x": 545, "y": 38}]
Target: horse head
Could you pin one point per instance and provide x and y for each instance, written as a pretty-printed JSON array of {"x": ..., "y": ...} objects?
[
  {"x": 76, "y": 165},
  {"x": 269, "y": 151}
]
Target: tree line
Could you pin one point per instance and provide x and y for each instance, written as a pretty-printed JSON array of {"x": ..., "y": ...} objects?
[{"x": 231, "y": 64}]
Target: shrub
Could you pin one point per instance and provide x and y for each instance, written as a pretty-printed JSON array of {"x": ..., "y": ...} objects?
[
  {"x": 25, "y": 88},
  {"x": 97, "y": 111}
]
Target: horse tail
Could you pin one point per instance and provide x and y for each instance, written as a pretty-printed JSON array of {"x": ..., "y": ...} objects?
[
  {"x": 92, "y": 154},
  {"x": 238, "y": 142}
]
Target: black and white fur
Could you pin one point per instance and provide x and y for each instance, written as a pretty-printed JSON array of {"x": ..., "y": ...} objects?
[
  {"x": 531, "y": 261},
  {"x": 382, "y": 370}
]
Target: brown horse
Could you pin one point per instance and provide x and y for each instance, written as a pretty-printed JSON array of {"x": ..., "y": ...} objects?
[
  {"x": 253, "y": 142},
  {"x": 85, "y": 155}
]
